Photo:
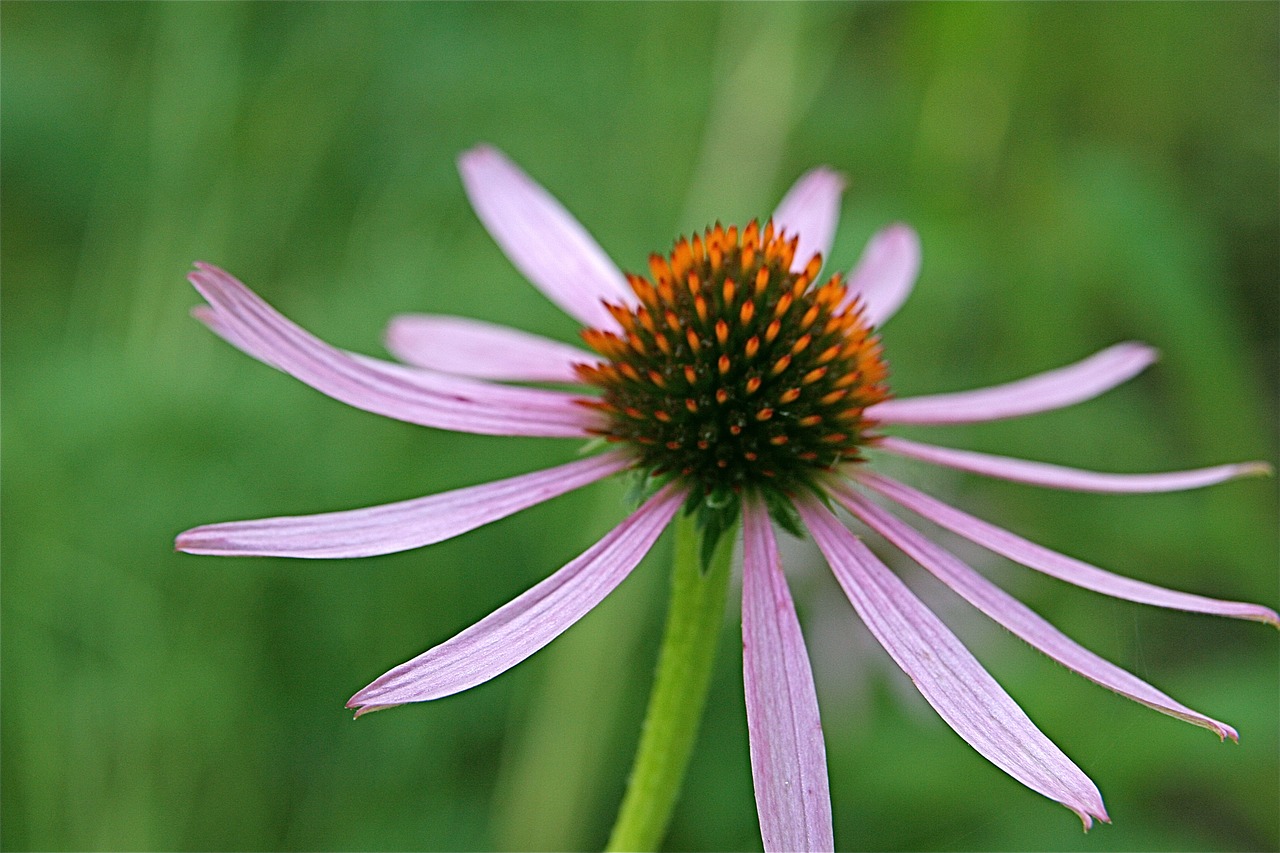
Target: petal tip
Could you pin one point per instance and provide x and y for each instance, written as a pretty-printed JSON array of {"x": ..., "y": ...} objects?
[
  {"x": 478, "y": 155},
  {"x": 1255, "y": 469},
  {"x": 902, "y": 231},
  {"x": 1140, "y": 353},
  {"x": 1089, "y": 813},
  {"x": 838, "y": 178},
  {"x": 208, "y": 268},
  {"x": 360, "y": 703},
  {"x": 397, "y": 329},
  {"x": 1146, "y": 349},
  {"x": 207, "y": 541},
  {"x": 910, "y": 246},
  {"x": 901, "y": 238},
  {"x": 211, "y": 275},
  {"x": 182, "y": 542}
]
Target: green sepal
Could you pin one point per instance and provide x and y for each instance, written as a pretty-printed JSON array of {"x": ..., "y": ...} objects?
[
  {"x": 592, "y": 447},
  {"x": 783, "y": 511},
  {"x": 715, "y": 515},
  {"x": 642, "y": 485}
]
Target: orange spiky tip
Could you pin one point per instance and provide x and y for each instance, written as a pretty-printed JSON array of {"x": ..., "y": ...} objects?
[{"x": 731, "y": 371}]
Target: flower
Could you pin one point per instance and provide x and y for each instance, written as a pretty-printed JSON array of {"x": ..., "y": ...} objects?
[{"x": 738, "y": 384}]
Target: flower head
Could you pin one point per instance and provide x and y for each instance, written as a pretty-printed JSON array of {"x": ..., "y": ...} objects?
[
  {"x": 733, "y": 373},
  {"x": 740, "y": 383}
]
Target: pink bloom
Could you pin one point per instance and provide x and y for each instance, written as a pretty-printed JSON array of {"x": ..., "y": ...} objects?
[{"x": 739, "y": 383}]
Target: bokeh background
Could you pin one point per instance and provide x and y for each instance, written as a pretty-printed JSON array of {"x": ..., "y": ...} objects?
[{"x": 1080, "y": 174}]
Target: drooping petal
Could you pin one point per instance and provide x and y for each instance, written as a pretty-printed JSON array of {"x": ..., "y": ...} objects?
[
  {"x": 227, "y": 331},
  {"x": 432, "y": 382},
  {"x": 246, "y": 321},
  {"x": 1016, "y": 616},
  {"x": 481, "y": 350},
  {"x": 407, "y": 394},
  {"x": 1051, "y": 562},
  {"x": 455, "y": 389},
  {"x": 948, "y": 676},
  {"x": 788, "y": 756},
  {"x": 1073, "y": 479},
  {"x": 515, "y": 631},
  {"x": 1044, "y": 392},
  {"x": 886, "y": 272},
  {"x": 811, "y": 210},
  {"x": 544, "y": 241},
  {"x": 398, "y": 526}
]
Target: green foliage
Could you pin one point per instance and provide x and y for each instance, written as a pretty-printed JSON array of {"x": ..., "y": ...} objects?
[{"x": 1080, "y": 174}]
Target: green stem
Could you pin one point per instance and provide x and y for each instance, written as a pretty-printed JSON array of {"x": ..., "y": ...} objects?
[{"x": 679, "y": 691}]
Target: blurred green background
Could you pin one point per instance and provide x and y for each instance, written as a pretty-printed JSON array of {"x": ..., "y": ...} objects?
[{"x": 1080, "y": 174}]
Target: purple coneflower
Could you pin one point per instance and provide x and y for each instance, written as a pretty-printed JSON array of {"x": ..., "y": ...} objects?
[{"x": 740, "y": 386}]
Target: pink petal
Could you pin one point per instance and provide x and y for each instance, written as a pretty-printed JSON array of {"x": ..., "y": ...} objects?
[
  {"x": 398, "y": 526},
  {"x": 1044, "y": 392},
  {"x": 788, "y": 757},
  {"x": 886, "y": 272},
  {"x": 516, "y": 630},
  {"x": 1073, "y": 479},
  {"x": 482, "y": 350},
  {"x": 429, "y": 381},
  {"x": 1052, "y": 563},
  {"x": 542, "y": 239},
  {"x": 392, "y": 390},
  {"x": 811, "y": 210},
  {"x": 227, "y": 331},
  {"x": 944, "y": 671},
  {"x": 243, "y": 314},
  {"x": 1016, "y": 616}
]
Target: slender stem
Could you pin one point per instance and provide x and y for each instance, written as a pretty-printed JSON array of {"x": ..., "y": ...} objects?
[{"x": 679, "y": 691}]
